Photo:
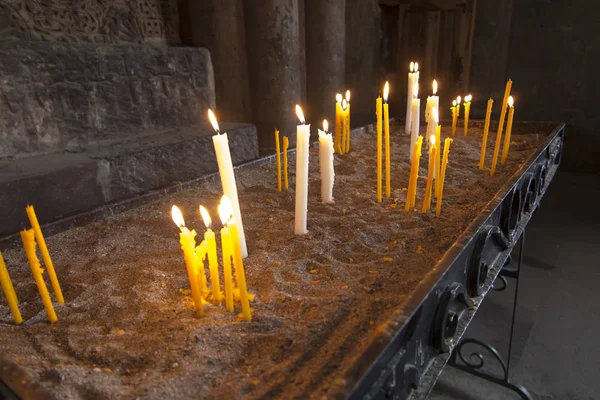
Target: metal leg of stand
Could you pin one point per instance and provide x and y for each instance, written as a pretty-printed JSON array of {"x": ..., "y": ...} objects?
[{"x": 475, "y": 361}]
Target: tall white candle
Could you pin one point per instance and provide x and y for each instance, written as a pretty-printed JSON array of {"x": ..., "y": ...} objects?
[
  {"x": 415, "y": 110},
  {"x": 221, "y": 143},
  {"x": 326, "y": 164},
  {"x": 302, "y": 148},
  {"x": 409, "y": 97},
  {"x": 432, "y": 102}
]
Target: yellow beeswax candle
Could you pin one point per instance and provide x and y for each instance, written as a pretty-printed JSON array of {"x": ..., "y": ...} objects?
[
  {"x": 337, "y": 138},
  {"x": 278, "y": 159},
  {"x": 511, "y": 113},
  {"x": 28, "y": 238},
  {"x": 39, "y": 237},
  {"x": 240, "y": 275},
  {"x": 454, "y": 117},
  {"x": 345, "y": 131},
  {"x": 225, "y": 216},
  {"x": 286, "y": 144},
  {"x": 414, "y": 175},
  {"x": 187, "y": 240},
  {"x": 486, "y": 129},
  {"x": 500, "y": 127},
  {"x": 432, "y": 164},
  {"x": 201, "y": 254},
  {"x": 347, "y": 122},
  {"x": 458, "y": 101},
  {"x": 438, "y": 158},
  {"x": 386, "y": 121},
  {"x": 213, "y": 261},
  {"x": 378, "y": 113},
  {"x": 468, "y": 99},
  {"x": 443, "y": 174},
  {"x": 9, "y": 292}
]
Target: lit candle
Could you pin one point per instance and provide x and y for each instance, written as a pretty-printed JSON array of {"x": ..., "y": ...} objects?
[
  {"x": 414, "y": 175},
  {"x": 225, "y": 215},
  {"x": 28, "y": 238},
  {"x": 386, "y": 121},
  {"x": 240, "y": 274},
  {"x": 409, "y": 97},
  {"x": 326, "y": 164},
  {"x": 302, "y": 146},
  {"x": 278, "y": 158},
  {"x": 213, "y": 262},
  {"x": 286, "y": 144},
  {"x": 431, "y": 169},
  {"x": 416, "y": 106},
  {"x": 187, "y": 239},
  {"x": 379, "y": 114},
  {"x": 432, "y": 102},
  {"x": 454, "y": 116},
  {"x": 201, "y": 254},
  {"x": 438, "y": 156},
  {"x": 486, "y": 129},
  {"x": 39, "y": 237},
  {"x": 347, "y": 123},
  {"x": 458, "y": 100},
  {"x": 9, "y": 292},
  {"x": 443, "y": 175},
  {"x": 221, "y": 143},
  {"x": 500, "y": 126},
  {"x": 337, "y": 140},
  {"x": 345, "y": 131},
  {"x": 511, "y": 113},
  {"x": 468, "y": 99}
]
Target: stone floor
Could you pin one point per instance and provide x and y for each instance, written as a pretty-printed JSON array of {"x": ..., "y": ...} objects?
[{"x": 556, "y": 350}]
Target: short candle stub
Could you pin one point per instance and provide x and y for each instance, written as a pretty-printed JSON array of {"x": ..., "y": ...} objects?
[{"x": 213, "y": 121}]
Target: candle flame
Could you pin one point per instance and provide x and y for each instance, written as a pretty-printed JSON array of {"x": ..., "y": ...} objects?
[
  {"x": 468, "y": 98},
  {"x": 416, "y": 67},
  {"x": 300, "y": 114},
  {"x": 344, "y": 104},
  {"x": 416, "y": 90},
  {"x": 453, "y": 103},
  {"x": 386, "y": 91},
  {"x": 225, "y": 210},
  {"x": 412, "y": 66},
  {"x": 325, "y": 126},
  {"x": 434, "y": 86},
  {"x": 205, "y": 217},
  {"x": 338, "y": 97},
  {"x": 348, "y": 96},
  {"x": 213, "y": 121},
  {"x": 511, "y": 101},
  {"x": 435, "y": 113},
  {"x": 458, "y": 99},
  {"x": 177, "y": 217},
  {"x": 432, "y": 140}
]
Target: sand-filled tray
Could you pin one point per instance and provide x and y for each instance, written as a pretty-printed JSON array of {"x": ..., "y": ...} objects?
[{"x": 128, "y": 328}]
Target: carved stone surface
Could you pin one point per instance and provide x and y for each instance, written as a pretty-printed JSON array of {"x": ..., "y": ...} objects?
[
  {"x": 105, "y": 21},
  {"x": 57, "y": 96}
]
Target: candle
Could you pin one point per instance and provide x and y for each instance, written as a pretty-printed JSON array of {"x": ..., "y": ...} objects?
[
  {"x": 432, "y": 102},
  {"x": 347, "y": 122},
  {"x": 431, "y": 169},
  {"x": 302, "y": 145},
  {"x": 278, "y": 155},
  {"x": 500, "y": 126},
  {"x": 221, "y": 143},
  {"x": 379, "y": 114},
  {"x": 414, "y": 175},
  {"x": 486, "y": 129},
  {"x": 458, "y": 100},
  {"x": 443, "y": 174},
  {"x": 386, "y": 120},
  {"x": 337, "y": 140},
  {"x": 345, "y": 131},
  {"x": 213, "y": 262},
  {"x": 416, "y": 106},
  {"x": 454, "y": 116},
  {"x": 409, "y": 97},
  {"x": 9, "y": 292},
  {"x": 438, "y": 155},
  {"x": 468, "y": 99},
  {"x": 201, "y": 253},
  {"x": 286, "y": 144},
  {"x": 511, "y": 113},
  {"x": 39, "y": 237},
  {"x": 225, "y": 215},
  {"x": 326, "y": 164},
  {"x": 188, "y": 243},
  {"x": 28, "y": 238},
  {"x": 238, "y": 263}
]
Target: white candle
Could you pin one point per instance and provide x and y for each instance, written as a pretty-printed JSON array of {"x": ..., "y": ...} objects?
[
  {"x": 221, "y": 143},
  {"x": 432, "y": 102},
  {"x": 326, "y": 164},
  {"x": 415, "y": 110},
  {"x": 409, "y": 97},
  {"x": 302, "y": 146}
]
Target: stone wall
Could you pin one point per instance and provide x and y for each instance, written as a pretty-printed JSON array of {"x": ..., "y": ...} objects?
[{"x": 98, "y": 21}]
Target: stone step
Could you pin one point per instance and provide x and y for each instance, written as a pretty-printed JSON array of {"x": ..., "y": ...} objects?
[{"x": 63, "y": 184}]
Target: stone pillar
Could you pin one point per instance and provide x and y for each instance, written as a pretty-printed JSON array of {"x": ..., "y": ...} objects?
[
  {"x": 272, "y": 33},
  {"x": 325, "y": 57}
]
